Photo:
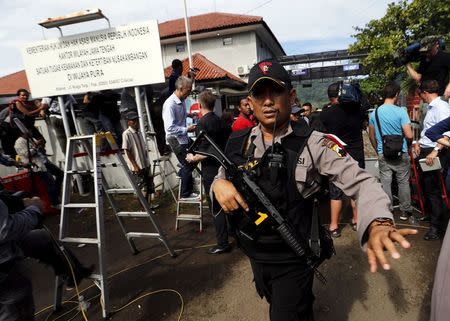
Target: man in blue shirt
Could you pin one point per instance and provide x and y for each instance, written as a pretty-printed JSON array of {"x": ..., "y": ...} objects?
[
  {"x": 393, "y": 121},
  {"x": 174, "y": 117}
]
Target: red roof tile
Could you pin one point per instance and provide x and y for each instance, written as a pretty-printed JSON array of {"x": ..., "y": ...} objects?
[
  {"x": 9, "y": 84},
  {"x": 208, "y": 70},
  {"x": 205, "y": 22}
]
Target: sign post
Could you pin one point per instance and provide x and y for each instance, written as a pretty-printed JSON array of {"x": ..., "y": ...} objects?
[
  {"x": 137, "y": 94},
  {"x": 64, "y": 116}
]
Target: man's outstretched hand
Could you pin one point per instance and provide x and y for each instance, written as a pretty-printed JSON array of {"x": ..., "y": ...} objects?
[{"x": 382, "y": 238}]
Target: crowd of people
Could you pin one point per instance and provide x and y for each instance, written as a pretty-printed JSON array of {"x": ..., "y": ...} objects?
[
  {"x": 272, "y": 116},
  {"x": 287, "y": 148}
]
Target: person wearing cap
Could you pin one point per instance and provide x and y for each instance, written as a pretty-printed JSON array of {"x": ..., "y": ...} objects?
[
  {"x": 296, "y": 113},
  {"x": 245, "y": 118},
  {"x": 434, "y": 65},
  {"x": 137, "y": 156},
  {"x": 283, "y": 278}
]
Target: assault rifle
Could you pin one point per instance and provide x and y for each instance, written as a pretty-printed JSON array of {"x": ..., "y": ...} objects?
[{"x": 261, "y": 208}]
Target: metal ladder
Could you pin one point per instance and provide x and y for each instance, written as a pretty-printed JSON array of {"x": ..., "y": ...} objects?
[
  {"x": 91, "y": 145},
  {"x": 198, "y": 202},
  {"x": 166, "y": 168}
]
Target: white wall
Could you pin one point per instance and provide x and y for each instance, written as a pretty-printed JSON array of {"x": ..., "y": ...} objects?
[
  {"x": 263, "y": 52},
  {"x": 229, "y": 57},
  {"x": 115, "y": 176}
]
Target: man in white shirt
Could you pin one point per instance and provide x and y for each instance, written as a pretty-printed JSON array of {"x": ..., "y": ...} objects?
[
  {"x": 174, "y": 116},
  {"x": 438, "y": 110}
]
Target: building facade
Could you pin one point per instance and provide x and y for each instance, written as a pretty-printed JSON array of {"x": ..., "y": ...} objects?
[{"x": 233, "y": 42}]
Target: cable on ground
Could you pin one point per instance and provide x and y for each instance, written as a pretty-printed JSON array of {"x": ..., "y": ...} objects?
[{"x": 78, "y": 293}]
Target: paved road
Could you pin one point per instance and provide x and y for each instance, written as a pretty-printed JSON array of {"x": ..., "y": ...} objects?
[{"x": 219, "y": 288}]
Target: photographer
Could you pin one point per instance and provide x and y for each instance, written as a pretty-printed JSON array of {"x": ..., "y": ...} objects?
[
  {"x": 434, "y": 65},
  {"x": 19, "y": 238},
  {"x": 15, "y": 288},
  {"x": 32, "y": 154},
  {"x": 346, "y": 121}
]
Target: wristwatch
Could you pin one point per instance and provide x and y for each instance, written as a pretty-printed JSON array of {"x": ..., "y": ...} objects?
[
  {"x": 437, "y": 149},
  {"x": 385, "y": 221}
]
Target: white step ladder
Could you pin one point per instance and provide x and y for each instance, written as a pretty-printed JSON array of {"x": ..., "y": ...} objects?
[
  {"x": 193, "y": 215},
  {"x": 165, "y": 169},
  {"x": 91, "y": 145}
]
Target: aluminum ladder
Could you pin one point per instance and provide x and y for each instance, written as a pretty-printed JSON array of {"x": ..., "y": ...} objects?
[
  {"x": 91, "y": 145},
  {"x": 196, "y": 205}
]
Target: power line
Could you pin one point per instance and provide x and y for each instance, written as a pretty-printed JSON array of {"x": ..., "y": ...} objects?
[{"x": 261, "y": 5}]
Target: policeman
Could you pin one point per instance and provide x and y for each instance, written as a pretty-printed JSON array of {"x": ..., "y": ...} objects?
[{"x": 280, "y": 276}]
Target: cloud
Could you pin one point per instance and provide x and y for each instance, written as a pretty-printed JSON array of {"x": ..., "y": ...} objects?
[
  {"x": 319, "y": 21},
  {"x": 317, "y": 45}
]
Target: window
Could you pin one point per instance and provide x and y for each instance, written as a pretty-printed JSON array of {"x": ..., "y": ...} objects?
[
  {"x": 180, "y": 47},
  {"x": 227, "y": 41}
]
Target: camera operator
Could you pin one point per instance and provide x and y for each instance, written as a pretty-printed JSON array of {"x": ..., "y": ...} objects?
[
  {"x": 20, "y": 237},
  {"x": 345, "y": 120},
  {"x": 434, "y": 65},
  {"x": 16, "y": 299},
  {"x": 31, "y": 154}
]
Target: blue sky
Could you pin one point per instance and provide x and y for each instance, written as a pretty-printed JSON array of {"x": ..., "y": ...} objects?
[{"x": 301, "y": 26}]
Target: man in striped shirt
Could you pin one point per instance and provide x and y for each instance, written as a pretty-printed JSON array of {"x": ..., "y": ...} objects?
[{"x": 137, "y": 157}]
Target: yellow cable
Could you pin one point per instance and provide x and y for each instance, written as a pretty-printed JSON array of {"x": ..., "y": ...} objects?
[
  {"x": 71, "y": 271},
  {"x": 62, "y": 315},
  {"x": 152, "y": 293},
  {"x": 145, "y": 262},
  {"x": 51, "y": 306},
  {"x": 115, "y": 274}
]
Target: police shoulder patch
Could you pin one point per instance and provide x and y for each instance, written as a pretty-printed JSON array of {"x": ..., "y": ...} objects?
[{"x": 335, "y": 144}]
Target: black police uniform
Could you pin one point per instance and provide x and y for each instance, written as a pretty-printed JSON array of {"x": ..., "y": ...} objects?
[{"x": 281, "y": 277}]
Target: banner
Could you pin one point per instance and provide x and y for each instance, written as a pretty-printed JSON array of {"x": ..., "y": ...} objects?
[{"x": 124, "y": 56}]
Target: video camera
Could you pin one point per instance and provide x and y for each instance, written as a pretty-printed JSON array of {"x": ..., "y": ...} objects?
[
  {"x": 13, "y": 200},
  {"x": 412, "y": 52}
]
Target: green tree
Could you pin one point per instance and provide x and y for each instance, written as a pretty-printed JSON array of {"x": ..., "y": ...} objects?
[{"x": 404, "y": 23}]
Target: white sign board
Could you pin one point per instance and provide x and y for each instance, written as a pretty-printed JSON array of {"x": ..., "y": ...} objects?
[{"x": 123, "y": 56}]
